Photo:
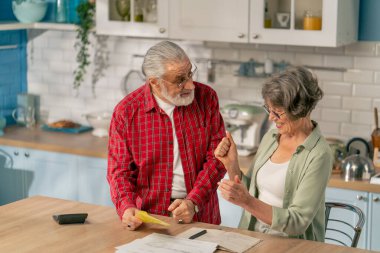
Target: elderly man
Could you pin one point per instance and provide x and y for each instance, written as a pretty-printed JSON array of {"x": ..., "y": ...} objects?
[{"x": 161, "y": 143}]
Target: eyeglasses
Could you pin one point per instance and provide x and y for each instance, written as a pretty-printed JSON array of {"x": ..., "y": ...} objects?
[
  {"x": 275, "y": 114},
  {"x": 189, "y": 76}
]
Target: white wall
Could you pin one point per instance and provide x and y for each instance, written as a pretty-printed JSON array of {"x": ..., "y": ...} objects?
[{"x": 345, "y": 111}]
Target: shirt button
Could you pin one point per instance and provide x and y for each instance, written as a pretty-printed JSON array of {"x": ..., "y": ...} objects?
[
  {"x": 170, "y": 142},
  {"x": 167, "y": 189}
]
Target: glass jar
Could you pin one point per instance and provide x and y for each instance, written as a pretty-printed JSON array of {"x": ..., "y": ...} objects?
[{"x": 312, "y": 20}]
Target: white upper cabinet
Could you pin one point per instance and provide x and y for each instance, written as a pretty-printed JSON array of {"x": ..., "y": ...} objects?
[
  {"x": 328, "y": 23},
  {"x": 136, "y": 18},
  {"x": 211, "y": 20}
]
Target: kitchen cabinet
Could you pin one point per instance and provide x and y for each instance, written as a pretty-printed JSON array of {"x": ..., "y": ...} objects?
[
  {"x": 29, "y": 172},
  {"x": 374, "y": 222},
  {"x": 148, "y": 18},
  {"x": 230, "y": 213},
  {"x": 92, "y": 182},
  {"x": 336, "y": 22},
  {"x": 266, "y": 21},
  {"x": 356, "y": 198},
  {"x": 212, "y": 20}
]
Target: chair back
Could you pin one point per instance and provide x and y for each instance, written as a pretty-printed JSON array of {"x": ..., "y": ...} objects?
[{"x": 344, "y": 223}]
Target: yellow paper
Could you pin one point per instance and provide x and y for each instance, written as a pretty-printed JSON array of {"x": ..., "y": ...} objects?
[{"x": 145, "y": 217}]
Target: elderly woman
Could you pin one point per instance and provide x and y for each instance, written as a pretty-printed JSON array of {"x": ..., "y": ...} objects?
[{"x": 284, "y": 192}]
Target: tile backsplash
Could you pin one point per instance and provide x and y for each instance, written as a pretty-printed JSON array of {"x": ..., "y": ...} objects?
[{"x": 345, "y": 111}]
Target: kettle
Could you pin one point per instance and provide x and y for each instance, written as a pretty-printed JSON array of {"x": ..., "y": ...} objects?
[{"x": 357, "y": 167}]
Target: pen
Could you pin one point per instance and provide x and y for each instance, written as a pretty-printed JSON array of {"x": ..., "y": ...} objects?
[{"x": 204, "y": 231}]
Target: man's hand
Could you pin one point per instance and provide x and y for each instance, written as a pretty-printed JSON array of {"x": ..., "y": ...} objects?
[
  {"x": 183, "y": 210},
  {"x": 129, "y": 221}
]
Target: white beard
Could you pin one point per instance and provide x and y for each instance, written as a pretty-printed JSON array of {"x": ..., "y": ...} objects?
[{"x": 176, "y": 100}]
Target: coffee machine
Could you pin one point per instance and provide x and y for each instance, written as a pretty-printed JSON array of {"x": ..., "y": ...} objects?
[{"x": 247, "y": 125}]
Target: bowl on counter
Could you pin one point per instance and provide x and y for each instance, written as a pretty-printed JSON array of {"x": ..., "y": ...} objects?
[
  {"x": 100, "y": 121},
  {"x": 29, "y": 11}
]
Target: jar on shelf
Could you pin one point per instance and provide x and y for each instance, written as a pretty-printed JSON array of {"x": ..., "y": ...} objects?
[
  {"x": 312, "y": 20},
  {"x": 139, "y": 17}
]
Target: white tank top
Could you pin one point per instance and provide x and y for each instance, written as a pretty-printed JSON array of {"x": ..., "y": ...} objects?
[{"x": 271, "y": 182}]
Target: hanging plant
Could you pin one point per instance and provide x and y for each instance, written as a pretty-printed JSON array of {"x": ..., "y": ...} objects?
[{"x": 86, "y": 12}]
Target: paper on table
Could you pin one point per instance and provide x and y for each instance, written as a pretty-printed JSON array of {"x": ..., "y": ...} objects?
[
  {"x": 145, "y": 217},
  {"x": 158, "y": 243},
  {"x": 230, "y": 241}
]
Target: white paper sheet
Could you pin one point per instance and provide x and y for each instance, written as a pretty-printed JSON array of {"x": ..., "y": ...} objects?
[
  {"x": 230, "y": 241},
  {"x": 158, "y": 243}
]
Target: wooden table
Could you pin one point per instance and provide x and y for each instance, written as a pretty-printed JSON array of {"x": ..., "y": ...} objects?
[{"x": 27, "y": 226}]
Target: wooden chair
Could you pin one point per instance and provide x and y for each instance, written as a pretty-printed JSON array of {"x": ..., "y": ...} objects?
[{"x": 340, "y": 230}]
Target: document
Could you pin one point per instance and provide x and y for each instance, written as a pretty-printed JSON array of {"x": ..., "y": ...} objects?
[
  {"x": 229, "y": 241},
  {"x": 159, "y": 243}
]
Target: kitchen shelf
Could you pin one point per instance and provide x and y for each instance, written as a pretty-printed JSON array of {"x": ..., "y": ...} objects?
[{"x": 4, "y": 26}]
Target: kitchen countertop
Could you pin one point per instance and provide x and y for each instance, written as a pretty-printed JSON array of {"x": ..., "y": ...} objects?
[
  {"x": 88, "y": 145},
  {"x": 27, "y": 226}
]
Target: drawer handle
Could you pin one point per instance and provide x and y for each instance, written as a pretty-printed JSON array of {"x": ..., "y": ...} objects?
[
  {"x": 377, "y": 199},
  {"x": 241, "y": 35},
  {"x": 15, "y": 153},
  {"x": 26, "y": 154},
  {"x": 162, "y": 30},
  {"x": 360, "y": 197},
  {"x": 256, "y": 36}
]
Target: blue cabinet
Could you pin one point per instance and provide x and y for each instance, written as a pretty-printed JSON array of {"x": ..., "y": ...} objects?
[
  {"x": 356, "y": 198},
  {"x": 29, "y": 172},
  {"x": 92, "y": 182},
  {"x": 374, "y": 222},
  {"x": 369, "y": 203}
]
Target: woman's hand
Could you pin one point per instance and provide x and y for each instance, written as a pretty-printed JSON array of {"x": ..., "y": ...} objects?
[
  {"x": 234, "y": 191},
  {"x": 129, "y": 220},
  {"x": 226, "y": 152}
]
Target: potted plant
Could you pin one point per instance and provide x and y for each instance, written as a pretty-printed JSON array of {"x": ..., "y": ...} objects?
[{"x": 86, "y": 12}]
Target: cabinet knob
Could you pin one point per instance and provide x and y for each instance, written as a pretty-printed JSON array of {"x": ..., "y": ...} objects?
[
  {"x": 162, "y": 30},
  {"x": 360, "y": 197},
  {"x": 256, "y": 36},
  {"x": 26, "y": 154},
  {"x": 15, "y": 153},
  {"x": 377, "y": 199},
  {"x": 241, "y": 35}
]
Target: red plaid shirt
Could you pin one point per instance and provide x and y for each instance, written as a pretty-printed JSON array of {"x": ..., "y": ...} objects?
[{"x": 140, "y": 153}]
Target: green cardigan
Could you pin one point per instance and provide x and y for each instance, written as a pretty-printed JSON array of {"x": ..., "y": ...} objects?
[{"x": 303, "y": 211}]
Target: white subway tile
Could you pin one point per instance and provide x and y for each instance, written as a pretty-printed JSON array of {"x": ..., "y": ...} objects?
[
  {"x": 370, "y": 63},
  {"x": 282, "y": 56},
  {"x": 211, "y": 44},
  {"x": 249, "y": 82},
  {"x": 226, "y": 80},
  {"x": 377, "y": 49},
  {"x": 337, "y": 88},
  {"x": 316, "y": 114},
  {"x": 361, "y": 49},
  {"x": 271, "y": 48},
  {"x": 246, "y": 95},
  {"x": 331, "y": 101},
  {"x": 60, "y": 67},
  {"x": 52, "y": 54},
  {"x": 329, "y": 128},
  {"x": 363, "y": 90},
  {"x": 335, "y": 115},
  {"x": 356, "y": 130},
  {"x": 360, "y": 117},
  {"x": 376, "y": 103},
  {"x": 226, "y": 54},
  {"x": 37, "y": 87},
  {"x": 246, "y": 55},
  {"x": 360, "y": 76},
  {"x": 309, "y": 59},
  {"x": 324, "y": 75},
  {"x": 356, "y": 103},
  {"x": 223, "y": 92},
  {"x": 338, "y": 61},
  {"x": 330, "y": 50},
  {"x": 300, "y": 49},
  {"x": 377, "y": 77}
]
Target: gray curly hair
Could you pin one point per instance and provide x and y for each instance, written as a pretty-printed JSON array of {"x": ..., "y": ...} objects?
[
  {"x": 296, "y": 90},
  {"x": 159, "y": 55}
]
